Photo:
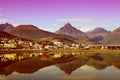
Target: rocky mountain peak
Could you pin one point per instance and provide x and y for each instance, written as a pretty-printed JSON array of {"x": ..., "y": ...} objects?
[{"x": 69, "y": 30}]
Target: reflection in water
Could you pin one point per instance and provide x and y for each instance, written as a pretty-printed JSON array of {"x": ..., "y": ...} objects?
[
  {"x": 28, "y": 63},
  {"x": 98, "y": 62},
  {"x": 113, "y": 59},
  {"x": 69, "y": 67}
]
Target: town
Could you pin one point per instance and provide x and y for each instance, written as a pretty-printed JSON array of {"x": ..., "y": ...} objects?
[{"x": 7, "y": 44}]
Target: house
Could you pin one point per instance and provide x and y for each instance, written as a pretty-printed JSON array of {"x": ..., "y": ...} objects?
[{"x": 9, "y": 45}]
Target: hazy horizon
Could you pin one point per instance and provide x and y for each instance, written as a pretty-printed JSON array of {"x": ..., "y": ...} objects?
[{"x": 50, "y": 15}]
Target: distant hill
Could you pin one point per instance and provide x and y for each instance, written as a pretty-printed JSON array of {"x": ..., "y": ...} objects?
[
  {"x": 9, "y": 36},
  {"x": 67, "y": 33},
  {"x": 6, "y": 27},
  {"x": 97, "y": 34},
  {"x": 112, "y": 38},
  {"x": 34, "y": 33},
  {"x": 69, "y": 30},
  {"x": 30, "y": 32},
  {"x": 6, "y": 35}
]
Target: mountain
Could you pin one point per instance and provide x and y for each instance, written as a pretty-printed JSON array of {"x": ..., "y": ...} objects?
[
  {"x": 6, "y": 35},
  {"x": 112, "y": 38},
  {"x": 34, "y": 33},
  {"x": 30, "y": 32},
  {"x": 6, "y": 27},
  {"x": 69, "y": 30},
  {"x": 97, "y": 34},
  {"x": 67, "y": 33}
]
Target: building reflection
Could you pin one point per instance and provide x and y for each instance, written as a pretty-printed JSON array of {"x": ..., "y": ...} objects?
[
  {"x": 25, "y": 63},
  {"x": 32, "y": 62}
]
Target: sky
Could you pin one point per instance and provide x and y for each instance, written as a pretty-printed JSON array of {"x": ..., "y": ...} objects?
[{"x": 50, "y": 15}]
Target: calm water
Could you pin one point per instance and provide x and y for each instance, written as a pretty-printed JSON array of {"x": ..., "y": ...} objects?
[{"x": 97, "y": 67}]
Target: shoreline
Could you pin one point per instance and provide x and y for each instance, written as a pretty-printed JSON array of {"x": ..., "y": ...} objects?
[{"x": 60, "y": 51}]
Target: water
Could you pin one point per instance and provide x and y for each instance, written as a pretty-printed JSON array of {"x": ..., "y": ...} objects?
[{"x": 82, "y": 67}]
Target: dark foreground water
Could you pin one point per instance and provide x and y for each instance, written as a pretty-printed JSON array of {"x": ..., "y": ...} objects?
[{"x": 82, "y": 67}]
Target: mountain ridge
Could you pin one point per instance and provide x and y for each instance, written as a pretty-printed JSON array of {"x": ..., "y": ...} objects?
[
  {"x": 66, "y": 32},
  {"x": 112, "y": 38},
  {"x": 97, "y": 34},
  {"x": 69, "y": 30}
]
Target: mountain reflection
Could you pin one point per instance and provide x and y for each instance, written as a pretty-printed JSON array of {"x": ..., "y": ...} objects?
[
  {"x": 68, "y": 65},
  {"x": 98, "y": 62},
  {"x": 28, "y": 64}
]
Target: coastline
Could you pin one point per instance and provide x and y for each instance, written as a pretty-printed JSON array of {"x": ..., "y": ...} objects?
[{"x": 91, "y": 51}]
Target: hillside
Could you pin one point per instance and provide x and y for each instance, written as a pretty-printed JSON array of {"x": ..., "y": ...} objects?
[
  {"x": 67, "y": 33},
  {"x": 30, "y": 32},
  {"x": 6, "y": 27},
  {"x": 69, "y": 30},
  {"x": 112, "y": 38},
  {"x": 6, "y": 35},
  {"x": 97, "y": 34},
  {"x": 34, "y": 33}
]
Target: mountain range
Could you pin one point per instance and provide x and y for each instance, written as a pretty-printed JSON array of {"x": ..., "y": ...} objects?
[
  {"x": 97, "y": 34},
  {"x": 69, "y": 30},
  {"x": 112, "y": 38},
  {"x": 32, "y": 32},
  {"x": 67, "y": 33}
]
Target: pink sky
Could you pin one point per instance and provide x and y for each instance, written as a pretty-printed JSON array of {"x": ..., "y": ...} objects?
[{"x": 52, "y": 14}]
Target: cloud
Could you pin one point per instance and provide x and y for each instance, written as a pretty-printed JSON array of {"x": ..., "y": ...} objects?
[
  {"x": 85, "y": 28},
  {"x": 3, "y": 20},
  {"x": 6, "y": 20},
  {"x": 13, "y": 22},
  {"x": 84, "y": 20},
  {"x": 46, "y": 29}
]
